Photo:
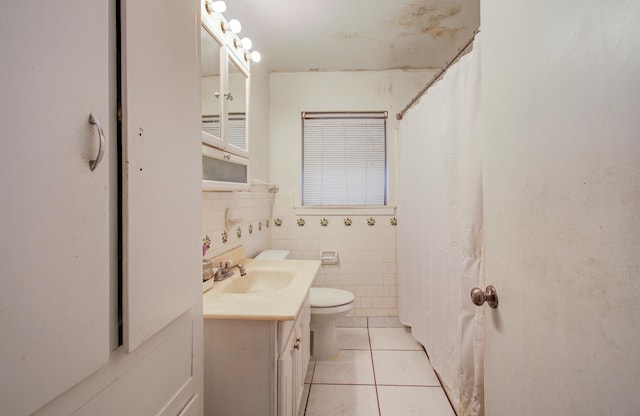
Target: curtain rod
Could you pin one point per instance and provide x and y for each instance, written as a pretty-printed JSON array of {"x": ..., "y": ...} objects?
[{"x": 436, "y": 77}]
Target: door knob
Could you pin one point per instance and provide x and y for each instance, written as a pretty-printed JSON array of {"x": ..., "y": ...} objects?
[{"x": 490, "y": 296}]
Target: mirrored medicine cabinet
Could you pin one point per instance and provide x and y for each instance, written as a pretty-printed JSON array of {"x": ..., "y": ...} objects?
[{"x": 225, "y": 105}]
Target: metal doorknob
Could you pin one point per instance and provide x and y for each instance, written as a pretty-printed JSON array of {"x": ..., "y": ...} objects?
[{"x": 479, "y": 297}]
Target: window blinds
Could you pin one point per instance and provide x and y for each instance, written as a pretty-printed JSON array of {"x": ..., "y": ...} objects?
[{"x": 344, "y": 159}]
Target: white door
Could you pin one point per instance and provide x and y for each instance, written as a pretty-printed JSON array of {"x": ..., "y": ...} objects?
[
  {"x": 561, "y": 144},
  {"x": 54, "y": 215}
]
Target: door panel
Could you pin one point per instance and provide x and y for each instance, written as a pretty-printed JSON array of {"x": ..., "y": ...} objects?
[
  {"x": 561, "y": 206},
  {"x": 162, "y": 165},
  {"x": 54, "y": 216}
]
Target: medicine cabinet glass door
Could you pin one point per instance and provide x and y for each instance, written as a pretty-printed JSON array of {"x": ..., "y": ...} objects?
[
  {"x": 211, "y": 90},
  {"x": 236, "y": 103}
]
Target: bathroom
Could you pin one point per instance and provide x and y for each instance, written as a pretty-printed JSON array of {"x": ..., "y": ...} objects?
[
  {"x": 560, "y": 203},
  {"x": 367, "y": 254}
]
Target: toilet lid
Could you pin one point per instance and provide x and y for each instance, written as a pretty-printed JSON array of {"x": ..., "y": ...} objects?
[{"x": 324, "y": 297}]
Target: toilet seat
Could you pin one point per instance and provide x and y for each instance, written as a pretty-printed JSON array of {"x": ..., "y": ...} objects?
[{"x": 324, "y": 297}]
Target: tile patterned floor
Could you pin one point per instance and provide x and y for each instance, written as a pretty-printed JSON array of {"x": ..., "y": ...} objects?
[{"x": 379, "y": 371}]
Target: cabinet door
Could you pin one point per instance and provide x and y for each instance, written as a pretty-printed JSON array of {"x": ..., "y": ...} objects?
[
  {"x": 212, "y": 96},
  {"x": 55, "y": 258},
  {"x": 236, "y": 108},
  {"x": 305, "y": 319},
  {"x": 298, "y": 365},
  {"x": 162, "y": 165},
  {"x": 287, "y": 379}
]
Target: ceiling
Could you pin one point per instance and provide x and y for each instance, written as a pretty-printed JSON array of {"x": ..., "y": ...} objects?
[{"x": 355, "y": 35}]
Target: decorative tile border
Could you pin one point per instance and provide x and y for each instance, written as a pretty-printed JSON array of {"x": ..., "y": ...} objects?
[
  {"x": 250, "y": 228},
  {"x": 326, "y": 222},
  {"x": 239, "y": 232},
  {"x": 225, "y": 237}
]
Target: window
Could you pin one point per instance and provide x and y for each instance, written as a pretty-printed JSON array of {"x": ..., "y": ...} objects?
[{"x": 344, "y": 159}]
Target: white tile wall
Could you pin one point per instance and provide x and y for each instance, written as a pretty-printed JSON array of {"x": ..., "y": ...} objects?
[
  {"x": 367, "y": 254},
  {"x": 254, "y": 208}
]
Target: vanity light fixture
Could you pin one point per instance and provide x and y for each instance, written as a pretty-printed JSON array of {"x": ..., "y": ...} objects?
[
  {"x": 216, "y": 6},
  {"x": 234, "y": 26}
]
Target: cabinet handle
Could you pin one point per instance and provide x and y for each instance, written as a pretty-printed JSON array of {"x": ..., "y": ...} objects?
[
  {"x": 228, "y": 96},
  {"x": 94, "y": 163}
]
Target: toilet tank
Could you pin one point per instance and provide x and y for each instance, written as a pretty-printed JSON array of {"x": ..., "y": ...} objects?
[{"x": 273, "y": 255}]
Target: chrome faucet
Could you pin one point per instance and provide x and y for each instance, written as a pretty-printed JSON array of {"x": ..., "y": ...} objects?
[{"x": 226, "y": 270}]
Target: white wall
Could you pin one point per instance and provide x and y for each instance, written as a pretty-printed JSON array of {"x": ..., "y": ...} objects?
[
  {"x": 367, "y": 253},
  {"x": 259, "y": 123},
  {"x": 292, "y": 93}
]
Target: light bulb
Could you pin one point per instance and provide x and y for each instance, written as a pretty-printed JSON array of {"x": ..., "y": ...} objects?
[
  {"x": 216, "y": 6},
  {"x": 246, "y": 43},
  {"x": 255, "y": 56},
  {"x": 235, "y": 26}
]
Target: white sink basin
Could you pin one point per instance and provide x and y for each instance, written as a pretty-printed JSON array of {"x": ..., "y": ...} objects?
[
  {"x": 259, "y": 281},
  {"x": 271, "y": 290}
]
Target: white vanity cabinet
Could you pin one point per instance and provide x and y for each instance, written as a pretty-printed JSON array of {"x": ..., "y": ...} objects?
[{"x": 256, "y": 367}]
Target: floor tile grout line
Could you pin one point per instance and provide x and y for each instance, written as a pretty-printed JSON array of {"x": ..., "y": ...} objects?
[
  {"x": 393, "y": 349},
  {"x": 409, "y": 385},
  {"x": 306, "y": 403},
  {"x": 373, "y": 368},
  {"x": 344, "y": 384}
]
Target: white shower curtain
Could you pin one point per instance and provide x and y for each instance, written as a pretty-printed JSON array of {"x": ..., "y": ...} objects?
[{"x": 440, "y": 230}]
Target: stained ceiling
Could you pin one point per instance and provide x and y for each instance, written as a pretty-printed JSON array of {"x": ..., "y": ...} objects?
[{"x": 355, "y": 35}]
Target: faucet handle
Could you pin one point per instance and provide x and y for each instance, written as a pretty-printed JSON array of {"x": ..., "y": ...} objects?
[{"x": 228, "y": 263}]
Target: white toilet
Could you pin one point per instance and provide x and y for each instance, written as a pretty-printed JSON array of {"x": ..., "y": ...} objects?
[{"x": 327, "y": 306}]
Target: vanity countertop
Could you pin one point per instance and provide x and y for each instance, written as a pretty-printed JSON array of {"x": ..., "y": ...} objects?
[{"x": 279, "y": 304}]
